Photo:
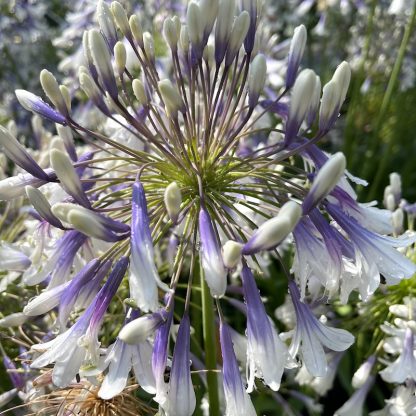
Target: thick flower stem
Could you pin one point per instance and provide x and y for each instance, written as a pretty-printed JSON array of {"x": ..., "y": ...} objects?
[{"x": 210, "y": 347}]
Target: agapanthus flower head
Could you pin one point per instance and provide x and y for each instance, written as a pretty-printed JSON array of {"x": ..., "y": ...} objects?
[{"x": 185, "y": 171}]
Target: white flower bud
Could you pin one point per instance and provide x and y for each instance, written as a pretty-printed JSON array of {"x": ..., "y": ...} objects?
[
  {"x": 269, "y": 235},
  {"x": 86, "y": 223},
  {"x": 300, "y": 102},
  {"x": 7, "y": 397},
  {"x": 67, "y": 95},
  {"x": 65, "y": 134},
  {"x": 140, "y": 329},
  {"x": 173, "y": 201},
  {"x": 171, "y": 97},
  {"x": 102, "y": 60},
  {"x": 256, "y": 79},
  {"x": 395, "y": 183},
  {"x": 231, "y": 253},
  {"x": 291, "y": 210},
  {"x": 140, "y": 92},
  {"x": 171, "y": 31},
  {"x": 149, "y": 46},
  {"x": 363, "y": 372},
  {"x": 120, "y": 56},
  {"x": 136, "y": 28},
  {"x": 209, "y": 9},
  {"x": 297, "y": 48},
  {"x": 390, "y": 202},
  {"x": 61, "y": 210},
  {"x": 67, "y": 176},
  {"x": 120, "y": 16},
  {"x": 51, "y": 88},
  {"x": 224, "y": 22},
  {"x": 342, "y": 77},
  {"x": 14, "y": 319},
  {"x": 106, "y": 22},
  {"x": 87, "y": 84},
  {"x": 397, "y": 220},
  {"x": 329, "y": 106},
  {"x": 195, "y": 22},
  {"x": 46, "y": 301},
  {"x": 184, "y": 39},
  {"x": 237, "y": 36},
  {"x": 41, "y": 204},
  {"x": 316, "y": 99},
  {"x": 325, "y": 180}
]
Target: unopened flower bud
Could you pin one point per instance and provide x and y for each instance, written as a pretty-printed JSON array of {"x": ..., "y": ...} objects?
[
  {"x": 173, "y": 201},
  {"x": 140, "y": 92},
  {"x": 316, "y": 99},
  {"x": 397, "y": 219},
  {"x": 67, "y": 96},
  {"x": 171, "y": 97},
  {"x": 42, "y": 206},
  {"x": 328, "y": 111},
  {"x": 238, "y": 33},
  {"x": 223, "y": 28},
  {"x": 184, "y": 39},
  {"x": 35, "y": 104},
  {"x": 390, "y": 202},
  {"x": 209, "y": 9},
  {"x": 272, "y": 232},
  {"x": 363, "y": 372},
  {"x": 325, "y": 181},
  {"x": 51, "y": 88},
  {"x": 106, "y": 22},
  {"x": 396, "y": 185},
  {"x": 102, "y": 60},
  {"x": 140, "y": 329},
  {"x": 195, "y": 23},
  {"x": 300, "y": 102},
  {"x": 136, "y": 29},
  {"x": 342, "y": 77},
  {"x": 65, "y": 134},
  {"x": 120, "y": 16},
  {"x": 19, "y": 155},
  {"x": 14, "y": 319},
  {"x": 149, "y": 46},
  {"x": 297, "y": 48},
  {"x": 231, "y": 253},
  {"x": 120, "y": 57},
  {"x": 256, "y": 79},
  {"x": 68, "y": 177},
  {"x": 291, "y": 210},
  {"x": 171, "y": 31}
]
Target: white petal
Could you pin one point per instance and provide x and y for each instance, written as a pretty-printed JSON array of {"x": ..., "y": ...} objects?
[
  {"x": 313, "y": 354},
  {"x": 335, "y": 339},
  {"x": 118, "y": 372},
  {"x": 142, "y": 366}
]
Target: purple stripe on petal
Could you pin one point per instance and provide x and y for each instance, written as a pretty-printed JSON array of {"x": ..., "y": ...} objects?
[
  {"x": 181, "y": 397},
  {"x": 214, "y": 271}
]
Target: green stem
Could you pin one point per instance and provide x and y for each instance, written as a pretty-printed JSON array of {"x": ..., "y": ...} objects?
[
  {"x": 210, "y": 347},
  {"x": 394, "y": 77},
  {"x": 350, "y": 139}
]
